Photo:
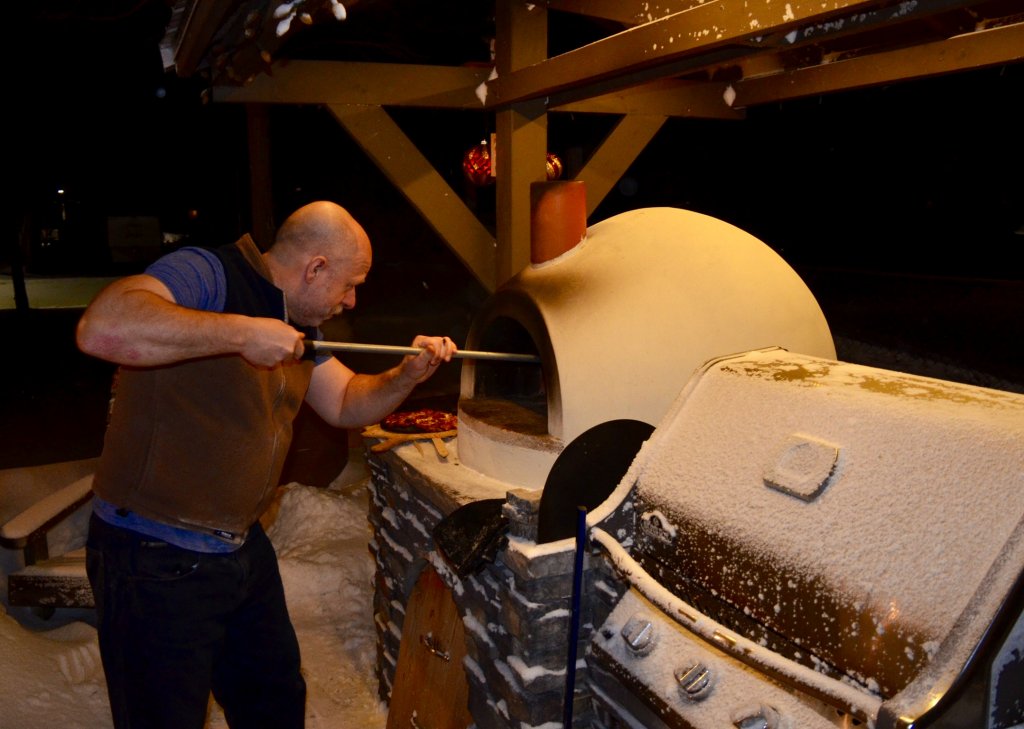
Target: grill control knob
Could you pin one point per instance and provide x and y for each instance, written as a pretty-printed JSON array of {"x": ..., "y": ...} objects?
[
  {"x": 639, "y": 634},
  {"x": 760, "y": 717},
  {"x": 695, "y": 681}
]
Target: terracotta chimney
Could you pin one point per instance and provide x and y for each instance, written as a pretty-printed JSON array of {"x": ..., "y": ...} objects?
[{"x": 558, "y": 218}]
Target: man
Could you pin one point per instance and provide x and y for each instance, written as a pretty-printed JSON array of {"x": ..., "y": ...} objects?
[{"x": 211, "y": 345}]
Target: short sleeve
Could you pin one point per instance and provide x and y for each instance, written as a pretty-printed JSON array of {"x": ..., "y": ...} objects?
[
  {"x": 322, "y": 356},
  {"x": 195, "y": 277}
]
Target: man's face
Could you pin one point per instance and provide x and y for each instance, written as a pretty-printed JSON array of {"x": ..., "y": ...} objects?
[{"x": 332, "y": 289}]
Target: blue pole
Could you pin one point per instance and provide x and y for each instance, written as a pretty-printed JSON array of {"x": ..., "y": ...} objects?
[{"x": 574, "y": 626}]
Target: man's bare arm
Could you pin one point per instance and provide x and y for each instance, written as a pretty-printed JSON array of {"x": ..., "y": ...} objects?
[
  {"x": 349, "y": 400},
  {"x": 135, "y": 321}
]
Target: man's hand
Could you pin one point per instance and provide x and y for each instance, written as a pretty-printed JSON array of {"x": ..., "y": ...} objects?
[
  {"x": 420, "y": 367},
  {"x": 270, "y": 342}
]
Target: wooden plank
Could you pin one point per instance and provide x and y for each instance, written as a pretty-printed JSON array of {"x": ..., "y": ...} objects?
[
  {"x": 379, "y": 84},
  {"x": 627, "y": 12},
  {"x": 429, "y": 193},
  {"x": 984, "y": 48},
  {"x": 617, "y": 152},
  {"x": 430, "y": 687},
  {"x": 443, "y": 87},
  {"x": 666, "y": 44},
  {"x": 666, "y": 97},
  {"x": 521, "y": 158}
]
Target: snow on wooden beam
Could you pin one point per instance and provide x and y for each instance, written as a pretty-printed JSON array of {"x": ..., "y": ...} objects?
[
  {"x": 378, "y": 84},
  {"x": 687, "y": 40},
  {"x": 667, "y": 97},
  {"x": 627, "y": 12},
  {"x": 991, "y": 47}
]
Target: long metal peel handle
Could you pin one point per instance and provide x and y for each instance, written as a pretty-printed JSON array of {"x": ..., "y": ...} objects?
[{"x": 392, "y": 349}]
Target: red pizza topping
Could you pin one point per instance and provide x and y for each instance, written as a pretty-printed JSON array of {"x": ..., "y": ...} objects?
[{"x": 426, "y": 420}]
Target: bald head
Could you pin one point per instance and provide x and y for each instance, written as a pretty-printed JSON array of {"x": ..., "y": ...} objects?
[
  {"x": 320, "y": 228},
  {"x": 319, "y": 256}
]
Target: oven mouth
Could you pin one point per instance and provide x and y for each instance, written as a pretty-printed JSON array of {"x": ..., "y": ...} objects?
[
  {"x": 517, "y": 388},
  {"x": 519, "y": 399}
]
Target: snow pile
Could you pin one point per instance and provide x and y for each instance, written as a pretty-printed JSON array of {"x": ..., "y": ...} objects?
[
  {"x": 51, "y": 679},
  {"x": 54, "y": 678}
]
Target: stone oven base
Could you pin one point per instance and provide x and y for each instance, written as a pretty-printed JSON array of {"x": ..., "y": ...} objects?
[{"x": 515, "y": 611}]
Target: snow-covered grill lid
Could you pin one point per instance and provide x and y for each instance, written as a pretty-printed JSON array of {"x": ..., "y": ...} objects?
[
  {"x": 620, "y": 322},
  {"x": 866, "y": 523}
]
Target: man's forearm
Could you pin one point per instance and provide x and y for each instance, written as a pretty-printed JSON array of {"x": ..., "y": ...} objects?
[
  {"x": 368, "y": 398},
  {"x": 347, "y": 400},
  {"x": 140, "y": 328}
]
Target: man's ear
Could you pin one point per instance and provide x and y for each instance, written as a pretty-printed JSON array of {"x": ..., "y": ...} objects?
[{"x": 315, "y": 265}]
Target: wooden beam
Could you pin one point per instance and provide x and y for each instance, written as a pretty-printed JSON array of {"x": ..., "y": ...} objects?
[
  {"x": 448, "y": 87},
  {"x": 378, "y": 84},
  {"x": 962, "y": 53},
  {"x": 521, "y": 133},
  {"x": 520, "y": 152},
  {"x": 617, "y": 152},
  {"x": 413, "y": 175},
  {"x": 627, "y": 12},
  {"x": 667, "y": 97},
  {"x": 666, "y": 46}
]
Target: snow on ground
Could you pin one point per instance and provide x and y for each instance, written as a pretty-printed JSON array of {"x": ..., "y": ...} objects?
[{"x": 53, "y": 677}]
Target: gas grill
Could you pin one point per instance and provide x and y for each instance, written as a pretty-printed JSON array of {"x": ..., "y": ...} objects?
[{"x": 818, "y": 544}]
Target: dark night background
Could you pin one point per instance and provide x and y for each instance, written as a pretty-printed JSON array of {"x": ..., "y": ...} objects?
[{"x": 901, "y": 206}]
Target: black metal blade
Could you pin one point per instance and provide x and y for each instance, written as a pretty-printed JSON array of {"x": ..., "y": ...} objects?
[{"x": 585, "y": 474}]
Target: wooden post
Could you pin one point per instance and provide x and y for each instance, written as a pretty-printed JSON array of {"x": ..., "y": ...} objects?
[{"x": 521, "y": 130}]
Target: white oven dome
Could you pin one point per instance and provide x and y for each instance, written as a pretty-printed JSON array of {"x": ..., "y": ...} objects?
[{"x": 620, "y": 322}]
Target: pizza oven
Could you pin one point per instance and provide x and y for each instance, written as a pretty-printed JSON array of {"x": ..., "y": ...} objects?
[{"x": 620, "y": 314}]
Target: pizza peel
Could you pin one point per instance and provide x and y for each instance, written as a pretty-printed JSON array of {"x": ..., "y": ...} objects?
[
  {"x": 320, "y": 346},
  {"x": 390, "y": 438}
]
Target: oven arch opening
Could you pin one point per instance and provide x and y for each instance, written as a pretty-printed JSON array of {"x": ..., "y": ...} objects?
[
  {"x": 509, "y": 396},
  {"x": 521, "y": 384}
]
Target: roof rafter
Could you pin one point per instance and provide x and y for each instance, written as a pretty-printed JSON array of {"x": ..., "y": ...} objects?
[
  {"x": 983, "y": 48},
  {"x": 447, "y": 87},
  {"x": 710, "y": 35}
]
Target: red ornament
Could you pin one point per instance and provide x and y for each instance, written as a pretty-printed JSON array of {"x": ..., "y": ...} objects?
[
  {"x": 476, "y": 164},
  {"x": 554, "y": 167}
]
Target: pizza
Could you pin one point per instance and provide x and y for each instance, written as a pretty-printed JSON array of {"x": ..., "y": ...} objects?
[{"x": 425, "y": 420}]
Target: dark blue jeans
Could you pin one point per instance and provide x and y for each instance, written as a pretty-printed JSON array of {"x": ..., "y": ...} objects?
[{"x": 175, "y": 625}]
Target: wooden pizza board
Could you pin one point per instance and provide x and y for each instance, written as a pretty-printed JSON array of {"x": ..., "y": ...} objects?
[
  {"x": 390, "y": 440},
  {"x": 430, "y": 688}
]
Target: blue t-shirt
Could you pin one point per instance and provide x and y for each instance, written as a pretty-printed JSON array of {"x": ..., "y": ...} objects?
[{"x": 195, "y": 277}]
